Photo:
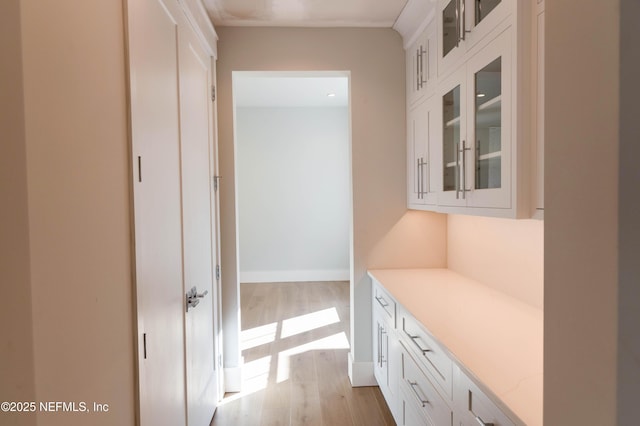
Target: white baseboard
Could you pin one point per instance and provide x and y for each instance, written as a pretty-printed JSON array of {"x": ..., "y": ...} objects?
[
  {"x": 294, "y": 276},
  {"x": 233, "y": 379},
  {"x": 361, "y": 373}
]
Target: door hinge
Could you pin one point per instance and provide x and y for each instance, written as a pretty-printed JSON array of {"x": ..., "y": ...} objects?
[
  {"x": 216, "y": 183},
  {"x": 213, "y": 93},
  {"x": 217, "y": 272}
]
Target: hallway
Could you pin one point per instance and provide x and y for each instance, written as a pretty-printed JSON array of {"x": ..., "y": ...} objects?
[{"x": 295, "y": 340}]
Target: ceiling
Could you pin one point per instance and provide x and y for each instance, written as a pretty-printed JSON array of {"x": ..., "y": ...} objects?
[
  {"x": 305, "y": 13},
  {"x": 295, "y": 89}
]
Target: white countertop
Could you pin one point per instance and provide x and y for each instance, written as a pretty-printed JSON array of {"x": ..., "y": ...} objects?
[{"x": 495, "y": 337}]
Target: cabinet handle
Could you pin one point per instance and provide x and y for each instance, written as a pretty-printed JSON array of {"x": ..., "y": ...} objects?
[
  {"x": 381, "y": 301},
  {"x": 479, "y": 420},
  {"x": 422, "y": 164},
  {"x": 463, "y": 151},
  {"x": 458, "y": 23},
  {"x": 413, "y": 386},
  {"x": 422, "y": 55},
  {"x": 414, "y": 340},
  {"x": 379, "y": 346},
  {"x": 464, "y": 20},
  {"x": 420, "y": 179},
  {"x": 417, "y": 70},
  {"x": 382, "y": 333},
  {"x": 457, "y": 180}
]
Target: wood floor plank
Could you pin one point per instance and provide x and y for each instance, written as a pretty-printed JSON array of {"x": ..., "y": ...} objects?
[{"x": 299, "y": 367}]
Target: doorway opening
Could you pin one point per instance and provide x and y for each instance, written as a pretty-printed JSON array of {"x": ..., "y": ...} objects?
[{"x": 294, "y": 223}]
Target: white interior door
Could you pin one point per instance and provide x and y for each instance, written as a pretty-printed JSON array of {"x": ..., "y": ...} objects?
[
  {"x": 198, "y": 216},
  {"x": 215, "y": 231},
  {"x": 153, "y": 47}
]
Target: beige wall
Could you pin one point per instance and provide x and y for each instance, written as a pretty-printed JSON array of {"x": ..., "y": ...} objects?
[
  {"x": 581, "y": 212},
  {"x": 16, "y": 335},
  {"x": 629, "y": 231},
  {"x": 505, "y": 254},
  {"x": 375, "y": 59},
  {"x": 73, "y": 189},
  {"x": 417, "y": 240}
]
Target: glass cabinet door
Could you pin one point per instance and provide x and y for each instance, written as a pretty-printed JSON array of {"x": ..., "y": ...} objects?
[
  {"x": 483, "y": 8},
  {"x": 488, "y": 126},
  {"x": 451, "y": 140},
  {"x": 450, "y": 27}
]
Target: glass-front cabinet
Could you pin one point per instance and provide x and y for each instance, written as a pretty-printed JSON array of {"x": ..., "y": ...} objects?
[
  {"x": 463, "y": 23},
  {"x": 453, "y": 130},
  {"x": 476, "y": 130}
]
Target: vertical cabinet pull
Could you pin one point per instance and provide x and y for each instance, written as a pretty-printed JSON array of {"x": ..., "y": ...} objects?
[
  {"x": 458, "y": 22},
  {"x": 379, "y": 350},
  {"x": 421, "y": 163},
  {"x": 418, "y": 178},
  {"x": 421, "y": 57},
  {"x": 463, "y": 27},
  {"x": 462, "y": 151},
  {"x": 417, "y": 70},
  {"x": 413, "y": 386},
  {"x": 457, "y": 180}
]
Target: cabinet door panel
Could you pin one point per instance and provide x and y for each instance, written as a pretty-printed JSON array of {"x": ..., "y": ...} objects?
[
  {"x": 490, "y": 137},
  {"x": 452, "y": 130},
  {"x": 435, "y": 361},
  {"x": 422, "y": 163},
  {"x": 424, "y": 394}
]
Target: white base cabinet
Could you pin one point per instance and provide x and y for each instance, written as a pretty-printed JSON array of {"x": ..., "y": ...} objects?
[
  {"x": 419, "y": 380},
  {"x": 473, "y": 407},
  {"x": 386, "y": 348}
]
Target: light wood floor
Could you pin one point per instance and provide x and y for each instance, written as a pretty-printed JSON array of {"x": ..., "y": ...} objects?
[{"x": 295, "y": 373}]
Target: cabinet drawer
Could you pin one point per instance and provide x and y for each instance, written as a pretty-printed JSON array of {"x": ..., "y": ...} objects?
[
  {"x": 384, "y": 304},
  {"x": 422, "y": 393},
  {"x": 474, "y": 407},
  {"x": 428, "y": 353}
]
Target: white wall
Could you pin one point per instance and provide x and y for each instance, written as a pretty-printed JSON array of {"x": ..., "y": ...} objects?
[{"x": 293, "y": 193}]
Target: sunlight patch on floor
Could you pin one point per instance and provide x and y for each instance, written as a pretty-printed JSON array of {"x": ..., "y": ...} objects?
[
  {"x": 308, "y": 322},
  {"x": 255, "y": 377},
  {"x": 336, "y": 341},
  {"x": 257, "y": 336}
]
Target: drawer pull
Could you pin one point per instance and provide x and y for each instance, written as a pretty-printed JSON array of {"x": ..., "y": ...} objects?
[
  {"x": 414, "y": 339},
  {"x": 415, "y": 392},
  {"x": 479, "y": 420},
  {"x": 381, "y": 301}
]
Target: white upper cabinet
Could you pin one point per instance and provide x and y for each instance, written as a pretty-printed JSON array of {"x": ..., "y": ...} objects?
[
  {"x": 421, "y": 57},
  {"x": 422, "y": 152},
  {"x": 476, "y": 138},
  {"x": 480, "y": 116},
  {"x": 462, "y": 24}
]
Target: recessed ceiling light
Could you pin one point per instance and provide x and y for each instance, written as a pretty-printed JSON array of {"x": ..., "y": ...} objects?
[
  {"x": 331, "y": 95},
  {"x": 481, "y": 95}
]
